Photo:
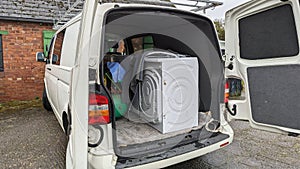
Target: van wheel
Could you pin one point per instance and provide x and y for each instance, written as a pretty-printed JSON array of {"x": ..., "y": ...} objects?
[{"x": 45, "y": 100}]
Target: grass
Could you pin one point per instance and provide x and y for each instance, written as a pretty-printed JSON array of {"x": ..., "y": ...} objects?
[{"x": 19, "y": 105}]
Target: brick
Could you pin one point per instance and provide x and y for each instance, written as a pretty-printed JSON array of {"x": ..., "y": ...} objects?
[{"x": 21, "y": 71}]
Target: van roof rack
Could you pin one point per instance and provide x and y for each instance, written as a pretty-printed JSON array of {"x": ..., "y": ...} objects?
[
  {"x": 76, "y": 7},
  {"x": 198, "y": 5}
]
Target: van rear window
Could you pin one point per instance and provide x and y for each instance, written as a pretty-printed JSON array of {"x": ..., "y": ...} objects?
[{"x": 269, "y": 34}]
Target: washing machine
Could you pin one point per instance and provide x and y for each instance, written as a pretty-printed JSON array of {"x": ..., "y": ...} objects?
[{"x": 169, "y": 93}]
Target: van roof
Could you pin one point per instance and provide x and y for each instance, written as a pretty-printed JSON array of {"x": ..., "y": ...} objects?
[{"x": 78, "y": 5}]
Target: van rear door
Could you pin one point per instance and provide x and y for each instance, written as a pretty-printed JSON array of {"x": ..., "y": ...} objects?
[{"x": 263, "y": 61}]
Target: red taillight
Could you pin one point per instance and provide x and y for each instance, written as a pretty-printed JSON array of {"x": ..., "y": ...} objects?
[
  {"x": 226, "y": 92},
  {"x": 97, "y": 99},
  {"x": 98, "y": 109}
]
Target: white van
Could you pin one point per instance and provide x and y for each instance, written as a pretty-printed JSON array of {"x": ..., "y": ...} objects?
[
  {"x": 262, "y": 57},
  {"x": 136, "y": 86}
]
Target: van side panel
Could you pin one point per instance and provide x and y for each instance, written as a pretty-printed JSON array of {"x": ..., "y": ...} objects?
[{"x": 67, "y": 61}]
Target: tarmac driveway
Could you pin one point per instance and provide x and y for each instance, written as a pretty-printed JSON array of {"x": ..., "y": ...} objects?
[
  {"x": 251, "y": 148},
  {"x": 32, "y": 138}
]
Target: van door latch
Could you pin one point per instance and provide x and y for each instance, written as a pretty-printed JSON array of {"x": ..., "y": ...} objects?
[{"x": 230, "y": 66}]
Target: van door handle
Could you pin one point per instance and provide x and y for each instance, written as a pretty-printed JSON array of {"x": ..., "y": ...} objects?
[{"x": 49, "y": 69}]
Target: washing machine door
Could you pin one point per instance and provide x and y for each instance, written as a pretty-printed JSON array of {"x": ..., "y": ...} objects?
[
  {"x": 151, "y": 94},
  {"x": 146, "y": 99}
]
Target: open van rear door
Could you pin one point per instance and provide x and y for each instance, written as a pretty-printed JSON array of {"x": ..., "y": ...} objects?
[
  {"x": 77, "y": 150},
  {"x": 263, "y": 64}
]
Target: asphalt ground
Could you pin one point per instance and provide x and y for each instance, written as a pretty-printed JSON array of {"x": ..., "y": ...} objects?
[
  {"x": 253, "y": 149},
  {"x": 32, "y": 138}
]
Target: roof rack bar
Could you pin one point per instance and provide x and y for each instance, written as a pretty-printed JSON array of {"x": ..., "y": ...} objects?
[
  {"x": 205, "y": 1},
  {"x": 188, "y": 5},
  {"x": 198, "y": 7},
  {"x": 203, "y": 8},
  {"x": 75, "y": 8},
  {"x": 152, "y": 2},
  {"x": 69, "y": 14}
]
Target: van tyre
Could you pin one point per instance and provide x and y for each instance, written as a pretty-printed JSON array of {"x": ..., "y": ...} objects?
[{"x": 45, "y": 100}]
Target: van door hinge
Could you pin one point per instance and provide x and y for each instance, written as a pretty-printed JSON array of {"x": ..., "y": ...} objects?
[{"x": 224, "y": 57}]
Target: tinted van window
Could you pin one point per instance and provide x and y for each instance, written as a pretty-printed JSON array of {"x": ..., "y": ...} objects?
[
  {"x": 57, "y": 51},
  {"x": 269, "y": 34},
  {"x": 69, "y": 47}
]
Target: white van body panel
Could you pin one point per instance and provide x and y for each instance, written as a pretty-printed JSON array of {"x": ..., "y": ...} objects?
[
  {"x": 241, "y": 65},
  {"x": 79, "y": 90},
  {"x": 58, "y": 77},
  {"x": 108, "y": 161},
  {"x": 69, "y": 88}
]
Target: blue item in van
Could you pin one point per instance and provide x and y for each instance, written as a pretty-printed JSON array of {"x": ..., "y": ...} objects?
[{"x": 116, "y": 70}]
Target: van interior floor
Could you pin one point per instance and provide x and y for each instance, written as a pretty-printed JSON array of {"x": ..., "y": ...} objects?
[{"x": 135, "y": 132}]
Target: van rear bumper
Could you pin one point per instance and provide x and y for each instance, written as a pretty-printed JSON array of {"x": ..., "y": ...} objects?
[{"x": 187, "y": 152}]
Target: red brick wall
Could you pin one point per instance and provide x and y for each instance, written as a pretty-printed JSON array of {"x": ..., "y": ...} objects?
[{"x": 22, "y": 78}]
